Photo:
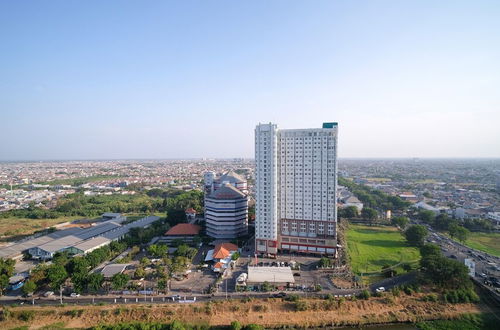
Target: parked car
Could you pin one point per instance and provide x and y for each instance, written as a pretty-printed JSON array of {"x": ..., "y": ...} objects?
[
  {"x": 48, "y": 293},
  {"x": 74, "y": 295},
  {"x": 380, "y": 289}
]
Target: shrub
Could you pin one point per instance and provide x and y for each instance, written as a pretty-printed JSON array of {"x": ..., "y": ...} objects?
[
  {"x": 430, "y": 297},
  {"x": 235, "y": 325},
  {"x": 293, "y": 297},
  {"x": 395, "y": 291},
  {"x": 365, "y": 294},
  {"x": 260, "y": 308},
  {"x": 26, "y": 315},
  {"x": 301, "y": 306}
]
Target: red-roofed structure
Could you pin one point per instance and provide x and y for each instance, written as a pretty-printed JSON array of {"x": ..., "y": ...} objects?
[{"x": 183, "y": 229}]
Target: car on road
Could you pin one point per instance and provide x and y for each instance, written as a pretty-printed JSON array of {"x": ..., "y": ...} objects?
[
  {"x": 74, "y": 295},
  {"x": 279, "y": 295},
  {"x": 380, "y": 289}
]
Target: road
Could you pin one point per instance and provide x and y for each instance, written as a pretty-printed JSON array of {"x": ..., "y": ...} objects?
[{"x": 486, "y": 265}]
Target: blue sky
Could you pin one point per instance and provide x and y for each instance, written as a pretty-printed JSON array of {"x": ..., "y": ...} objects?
[{"x": 183, "y": 79}]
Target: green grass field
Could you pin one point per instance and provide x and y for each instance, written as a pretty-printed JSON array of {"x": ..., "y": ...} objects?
[
  {"x": 487, "y": 242},
  {"x": 370, "y": 248}
]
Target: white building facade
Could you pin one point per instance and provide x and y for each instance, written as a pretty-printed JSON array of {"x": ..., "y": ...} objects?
[
  {"x": 295, "y": 186},
  {"x": 226, "y": 205}
]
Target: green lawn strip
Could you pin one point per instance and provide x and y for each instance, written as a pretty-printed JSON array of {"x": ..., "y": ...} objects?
[
  {"x": 370, "y": 248},
  {"x": 487, "y": 242},
  {"x": 465, "y": 322}
]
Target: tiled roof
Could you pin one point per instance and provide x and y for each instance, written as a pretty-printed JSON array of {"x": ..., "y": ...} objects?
[
  {"x": 186, "y": 229},
  {"x": 191, "y": 210},
  {"x": 223, "y": 250}
]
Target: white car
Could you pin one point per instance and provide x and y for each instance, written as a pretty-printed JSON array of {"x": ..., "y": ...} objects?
[
  {"x": 48, "y": 293},
  {"x": 380, "y": 289},
  {"x": 74, "y": 295}
]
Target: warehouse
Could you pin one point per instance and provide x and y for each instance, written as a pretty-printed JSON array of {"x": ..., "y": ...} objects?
[
  {"x": 47, "y": 250},
  {"x": 88, "y": 245}
]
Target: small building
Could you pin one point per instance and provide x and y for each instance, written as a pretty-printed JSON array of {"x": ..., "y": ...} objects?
[
  {"x": 353, "y": 201},
  {"x": 190, "y": 213},
  {"x": 471, "y": 265},
  {"x": 112, "y": 269},
  {"x": 277, "y": 276},
  {"x": 221, "y": 255},
  {"x": 182, "y": 231}
]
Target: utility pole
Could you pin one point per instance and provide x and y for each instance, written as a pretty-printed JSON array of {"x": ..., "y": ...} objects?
[{"x": 60, "y": 293}]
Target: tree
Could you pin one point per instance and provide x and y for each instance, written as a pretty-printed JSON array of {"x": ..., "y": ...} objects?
[
  {"x": 349, "y": 212},
  {"x": 119, "y": 281},
  {"x": 56, "y": 274},
  {"x": 94, "y": 282},
  {"x": 29, "y": 287},
  {"x": 401, "y": 222},
  {"x": 458, "y": 232},
  {"x": 444, "y": 272},
  {"x": 415, "y": 235},
  {"x": 427, "y": 216},
  {"x": 139, "y": 273},
  {"x": 162, "y": 284},
  {"x": 4, "y": 283},
  {"x": 369, "y": 214},
  {"x": 6, "y": 271}
]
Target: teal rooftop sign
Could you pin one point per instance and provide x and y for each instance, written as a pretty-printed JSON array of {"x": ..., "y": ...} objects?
[{"x": 329, "y": 125}]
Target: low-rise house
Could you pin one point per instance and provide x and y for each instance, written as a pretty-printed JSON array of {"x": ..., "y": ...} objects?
[{"x": 221, "y": 256}]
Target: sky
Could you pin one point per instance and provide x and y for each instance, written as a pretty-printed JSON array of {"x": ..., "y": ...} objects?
[{"x": 189, "y": 79}]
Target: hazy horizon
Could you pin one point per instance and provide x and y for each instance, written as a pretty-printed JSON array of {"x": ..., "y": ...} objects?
[{"x": 127, "y": 80}]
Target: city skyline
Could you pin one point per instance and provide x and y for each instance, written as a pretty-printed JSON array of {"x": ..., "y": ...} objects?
[{"x": 122, "y": 80}]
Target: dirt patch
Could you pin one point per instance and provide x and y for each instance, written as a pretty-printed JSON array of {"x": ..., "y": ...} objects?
[{"x": 267, "y": 312}]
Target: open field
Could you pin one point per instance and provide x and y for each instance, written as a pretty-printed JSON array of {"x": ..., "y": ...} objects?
[
  {"x": 23, "y": 226},
  {"x": 267, "y": 312},
  {"x": 487, "y": 242},
  {"x": 370, "y": 248}
]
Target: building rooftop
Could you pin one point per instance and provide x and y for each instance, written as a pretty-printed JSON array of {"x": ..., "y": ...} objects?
[
  {"x": 227, "y": 192},
  {"x": 113, "y": 269},
  {"x": 231, "y": 177},
  {"x": 91, "y": 243},
  {"x": 270, "y": 274},
  {"x": 184, "y": 229}
]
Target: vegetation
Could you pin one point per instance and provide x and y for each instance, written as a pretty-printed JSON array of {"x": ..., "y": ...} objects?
[
  {"x": 465, "y": 322},
  {"x": 370, "y": 248},
  {"x": 374, "y": 198},
  {"x": 174, "y": 203},
  {"x": 487, "y": 242},
  {"x": 446, "y": 274},
  {"x": 6, "y": 271},
  {"x": 416, "y": 234},
  {"x": 401, "y": 222},
  {"x": 349, "y": 212}
]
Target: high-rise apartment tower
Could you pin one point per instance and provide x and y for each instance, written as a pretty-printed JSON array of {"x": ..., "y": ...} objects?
[{"x": 295, "y": 189}]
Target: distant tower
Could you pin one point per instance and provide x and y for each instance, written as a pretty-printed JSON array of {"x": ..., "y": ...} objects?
[{"x": 209, "y": 181}]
